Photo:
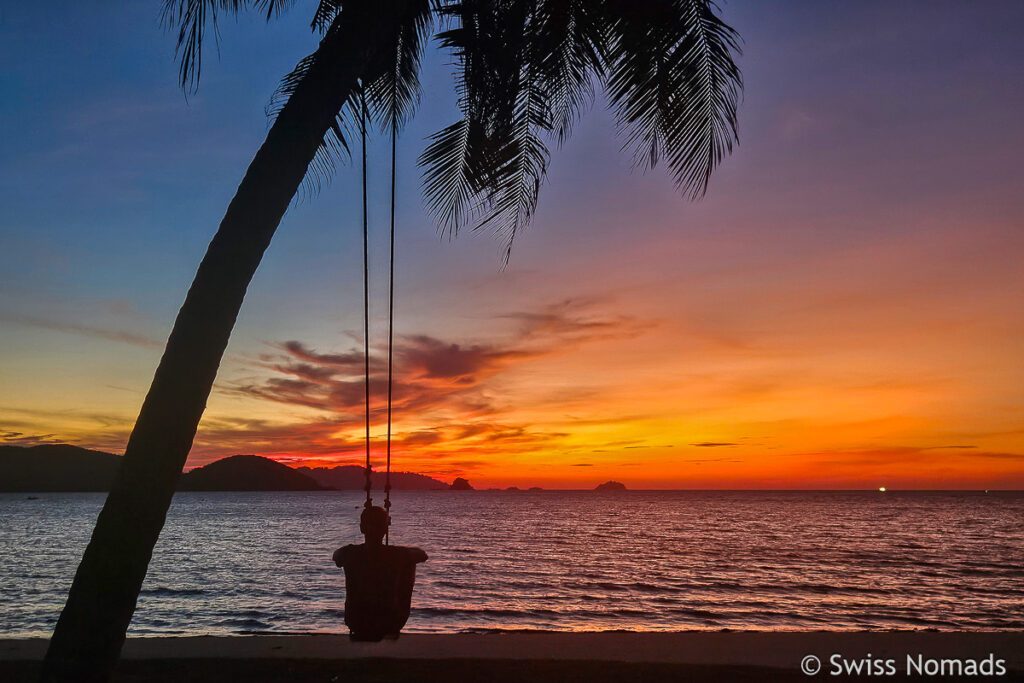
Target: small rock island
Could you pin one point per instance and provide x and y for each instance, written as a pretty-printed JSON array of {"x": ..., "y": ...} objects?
[{"x": 611, "y": 486}]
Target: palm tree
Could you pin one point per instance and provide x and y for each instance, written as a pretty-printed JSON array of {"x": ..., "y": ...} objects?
[{"x": 526, "y": 71}]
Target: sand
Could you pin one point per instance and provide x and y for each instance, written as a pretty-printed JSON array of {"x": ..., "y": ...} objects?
[{"x": 519, "y": 656}]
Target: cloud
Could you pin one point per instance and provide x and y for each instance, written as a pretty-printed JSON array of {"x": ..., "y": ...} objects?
[
  {"x": 330, "y": 441},
  {"x": 431, "y": 374},
  {"x": 427, "y": 358},
  {"x": 571, "y": 321},
  {"x": 998, "y": 455},
  {"x": 896, "y": 456},
  {"x": 351, "y": 361},
  {"x": 125, "y": 337},
  {"x": 713, "y": 444},
  {"x": 700, "y": 460},
  {"x": 22, "y": 439},
  {"x": 449, "y": 396}
]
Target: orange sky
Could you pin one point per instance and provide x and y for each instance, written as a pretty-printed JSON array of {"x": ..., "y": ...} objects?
[{"x": 842, "y": 310}]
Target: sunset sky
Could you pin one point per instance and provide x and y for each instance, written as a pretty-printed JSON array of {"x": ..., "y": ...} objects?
[{"x": 843, "y": 310}]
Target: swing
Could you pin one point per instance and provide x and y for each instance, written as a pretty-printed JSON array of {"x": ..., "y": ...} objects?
[{"x": 379, "y": 577}]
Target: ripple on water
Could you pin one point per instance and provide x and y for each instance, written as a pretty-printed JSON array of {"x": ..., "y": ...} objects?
[{"x": 252, "y": 562}]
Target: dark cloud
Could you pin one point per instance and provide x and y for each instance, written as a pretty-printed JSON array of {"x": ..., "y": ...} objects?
[
  {"x": 999, "y": 456},
  {"x": 430, "y": 374},
  {"x": 700, "y": 460},
  {"x": 452, "y": 385},
  {"x": 351, "y": 361},
  {"x": 423, "y": 437},
  {"x": 713, "y": 444},
  {"x": 23, "y": 439},
  {"x": 428, "y": 358}
]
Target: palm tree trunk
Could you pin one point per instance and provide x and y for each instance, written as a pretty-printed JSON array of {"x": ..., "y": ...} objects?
[{"x": 91, "y": 630}]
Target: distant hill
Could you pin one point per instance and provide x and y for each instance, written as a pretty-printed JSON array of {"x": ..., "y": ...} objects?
[
  {"x": 57, "y": 467},
  {"x": 351, "y": 478},
  {"x": 611, "y": 486},
  {"x": 61, "y": 467},
  {"x": 461, "y": 484},
  {"x": 246, "y": 473}
]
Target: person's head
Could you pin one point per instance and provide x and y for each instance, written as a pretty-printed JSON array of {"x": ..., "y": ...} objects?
[{"x": 374, "y": 523}]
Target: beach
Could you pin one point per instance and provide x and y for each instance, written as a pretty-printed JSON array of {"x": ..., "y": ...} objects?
[{"x": 520, "y": 656}]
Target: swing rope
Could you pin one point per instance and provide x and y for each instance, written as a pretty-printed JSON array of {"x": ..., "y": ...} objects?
[
  {"x": 391, "y": 327},
  {"x": 366, "y": 298},
  {"x": 366, "y": 312}
]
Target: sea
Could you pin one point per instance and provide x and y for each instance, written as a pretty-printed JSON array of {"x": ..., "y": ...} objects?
[{"x": 232, "y": 563}]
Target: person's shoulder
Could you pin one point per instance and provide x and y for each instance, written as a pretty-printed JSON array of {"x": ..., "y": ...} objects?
[
  {"x": 347, "y": 552},
  {"x": 412, "y": 554}
]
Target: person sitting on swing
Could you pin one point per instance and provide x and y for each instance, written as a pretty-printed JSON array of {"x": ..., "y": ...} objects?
[{"x": 378, "y": 580}]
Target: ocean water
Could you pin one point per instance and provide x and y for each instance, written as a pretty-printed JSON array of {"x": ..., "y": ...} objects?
[{"x": 260, "y": 562}]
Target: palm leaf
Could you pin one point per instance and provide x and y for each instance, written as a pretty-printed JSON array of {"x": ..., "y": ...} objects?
[
  {"x": 326, "y": 12},
  {"x": 487, "y": 169},
  {"x": 675, "y": 86},
  {"x": 391, "y": 87},
  {"x": 570, "y": 42},
  {"x": 190, "y": 18},
  {"x": 393, "y": 96},
  {"x": 334, "y": 148}
]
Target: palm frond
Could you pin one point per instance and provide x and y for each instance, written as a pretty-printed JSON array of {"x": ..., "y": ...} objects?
[
  {"x": 326, "y": 12},
  {"x": 454, "y": 161},
  {"x": 674, "y": 83},
  {"x": 518, "y": 158},
  {"x": 570, "y": 41},
  {"x": 190, "y": 18},
  {"x": 335, "y": 147},
  {"x": 525, "y": 73},
  {"x": 391, "y": 84},
  {"x": 487, "y": 169},
  {"x": 451, "y": 179},
  {"x": 393, "y": 96}
]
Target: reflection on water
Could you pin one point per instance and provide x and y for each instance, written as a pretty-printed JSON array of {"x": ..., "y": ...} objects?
[{"x": 239, "y": 562}]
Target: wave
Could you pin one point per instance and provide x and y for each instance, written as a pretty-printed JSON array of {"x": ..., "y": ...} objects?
[{"x": 172, "y": 592}]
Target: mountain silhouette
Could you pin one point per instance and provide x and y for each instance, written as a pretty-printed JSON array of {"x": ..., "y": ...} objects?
[
  {"x": 352, "y": 478},
  {"x": 56, "y": 467},
  {"x": 62, "y": 467},
  {"x": 611, "y": 486},
  {"x": 246, "y": 473}
]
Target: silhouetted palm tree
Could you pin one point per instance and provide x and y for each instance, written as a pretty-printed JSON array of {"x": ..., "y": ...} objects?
[{"x": 526, "y": 70}]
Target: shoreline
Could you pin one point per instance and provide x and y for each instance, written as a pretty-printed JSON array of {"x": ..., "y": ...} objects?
[
  {"x": 545, "y": 657},
  {"x": 778, "y": 649}
]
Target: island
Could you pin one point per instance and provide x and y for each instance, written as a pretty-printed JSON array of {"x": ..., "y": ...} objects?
[
  {"x": 246, "y": 473},
  {"x": 611, "y": 486},
  {"x": 353, "y": 478}
]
